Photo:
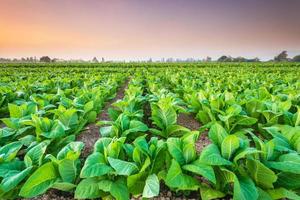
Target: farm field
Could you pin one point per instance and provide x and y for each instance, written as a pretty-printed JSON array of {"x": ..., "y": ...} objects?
[{"x": 150, "y": 130}]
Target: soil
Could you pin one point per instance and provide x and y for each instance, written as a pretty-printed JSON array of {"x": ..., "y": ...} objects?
[
  {"x": 54, "y": 194},
  {"x": 190, "y": 122},
  {"x": 202, "y": 142},
  {"x": 91, "y": 133}
]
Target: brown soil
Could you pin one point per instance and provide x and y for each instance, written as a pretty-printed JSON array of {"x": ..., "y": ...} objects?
[
  {"x": 147, "y": 114},
  {"x": 188, "y": 121},
  {"x": 54, "y": 194},
  {"x": 91, "y": 133},
  {"x": 202, "y": 142}
]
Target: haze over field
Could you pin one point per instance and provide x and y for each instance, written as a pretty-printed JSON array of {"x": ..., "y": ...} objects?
[{"x": 139, "y": 29}]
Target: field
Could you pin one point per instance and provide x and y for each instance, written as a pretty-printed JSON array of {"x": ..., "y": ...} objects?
[{"x": 150, "y": 130}]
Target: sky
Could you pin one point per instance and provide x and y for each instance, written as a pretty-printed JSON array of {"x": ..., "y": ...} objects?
[{"x": 140, "y": 29}]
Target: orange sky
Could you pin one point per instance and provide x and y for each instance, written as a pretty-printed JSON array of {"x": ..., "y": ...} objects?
[{"x": 139, "y": 29}]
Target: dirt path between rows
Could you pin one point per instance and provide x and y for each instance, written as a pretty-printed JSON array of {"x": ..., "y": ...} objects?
[
  {"x": 189, "y": 121},
  {"x": 91, "y": 133}
]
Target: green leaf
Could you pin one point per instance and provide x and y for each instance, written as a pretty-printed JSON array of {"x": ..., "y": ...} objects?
[
  {"x": 244, "y": 153},
  {"x": 95, "y": 165},
  {"x": 106, "y": 131},
  {"x": 208, "y": 193},
  {"x": 229, "y": 146},
  {"x": 88, "y": 106},
  {"x": 288, "y": 180},
  {"x": 175, "y": 149},
  {"x": 123, "y": 167},
  {"x": 70, "y": 151},
  {"x": 210, "y": 155},
  {"x": 6, "y": 132},
  {"x": 261, "y": 174},
  {"x": 88, "y": 189},
  {"x": 136, "y": 126},
  {"x": 176, "y": 130},
  {"x": 11, "y": 181},
  {"x": 151, "y": 188},
  {"x": 68, "y": 170},
  {"x": 201, "y": 169},
  {"x": 217, "y": 133},
  {"x": 40, "y": 181},
  {"x": 136, "y": 183},
  {"x": 176, "y": 179},
  {"x": 244, "y": 189},
  {"x": 64, "y": 186},
  {"x": 34, "y": 156},
  {"x": 280, "y": 193},
  {"x": 92, "y": 116},
  {"x": 118, "y": 189},
  {"x": 163, "y": 115},
  {"x": 287, "y": 163},
  {"x": 9, "y": 151},
  {"x": 246, "y": 121}
]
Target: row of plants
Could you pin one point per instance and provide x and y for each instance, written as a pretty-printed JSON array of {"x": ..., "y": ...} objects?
[
  {"x": 259, "y": 124},
  {"x": 38, "y": 150}
]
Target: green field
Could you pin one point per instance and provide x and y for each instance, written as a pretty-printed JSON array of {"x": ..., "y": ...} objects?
[{"x": 151, "y": 130}]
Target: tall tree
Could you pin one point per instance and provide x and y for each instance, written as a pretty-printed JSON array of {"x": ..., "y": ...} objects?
[
  {"x": 45, "y": 59},
  {"x": 283, "y": 56}
]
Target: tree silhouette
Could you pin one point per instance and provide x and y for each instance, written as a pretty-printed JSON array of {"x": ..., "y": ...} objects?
[
  {"x": 45, "y": 59},
  {"x": 281, "y": 57}
]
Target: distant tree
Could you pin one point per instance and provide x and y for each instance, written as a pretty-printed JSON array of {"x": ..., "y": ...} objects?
[
  {"x": 296, "y": 58},
  {"x": 102, "y": 60},
  {"x": 208, "y": 59},
  {"x": 225, "y": 59},
  {"x": 45, "y": 59},
  {"x": 95, "y": 60},
  {"x": 239, "y": 59},
  {"x": 283, "y": 56}
]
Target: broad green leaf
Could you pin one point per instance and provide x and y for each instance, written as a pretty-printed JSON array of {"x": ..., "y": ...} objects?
[
  {"x": 136, "y": 126},
  {"x": 136, "y": 183},
  {"x": 261, "y": 174},
  {"x": 9, "y": 151},
  {"x": 177, "y": 179},
  {"x": 280, "y": 193},
  {"x": 217, "y": 134},
  {"x": 68, "y": 170},
  {"x": 229, "y": 146},
  {"x": 123, "y": 167},
  {"x": 95, "y": 165},
  {"x": 88, "y": 106},
  {"x": 151, "y": 188},
  {"x": 35, "y": 155},
  {"x": 175, "y": 149},
  {"x": 40, "y": 181},
  {"x": 288, "y": 180},
  {"x": 201, "y": 169},
  {"x": 287, "y": 163},
  {"x": 63, "y": 186},
  {"x": 88, "y": 189},
  {"x": 118, "y": 189},
  {"x": 211, "y": 155},
  {"x": 208, "y": 193},
  {"x": 70, "y": 151},
  {"x": 244, "y": 189},
  {"x": 11, "y": 181}
]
